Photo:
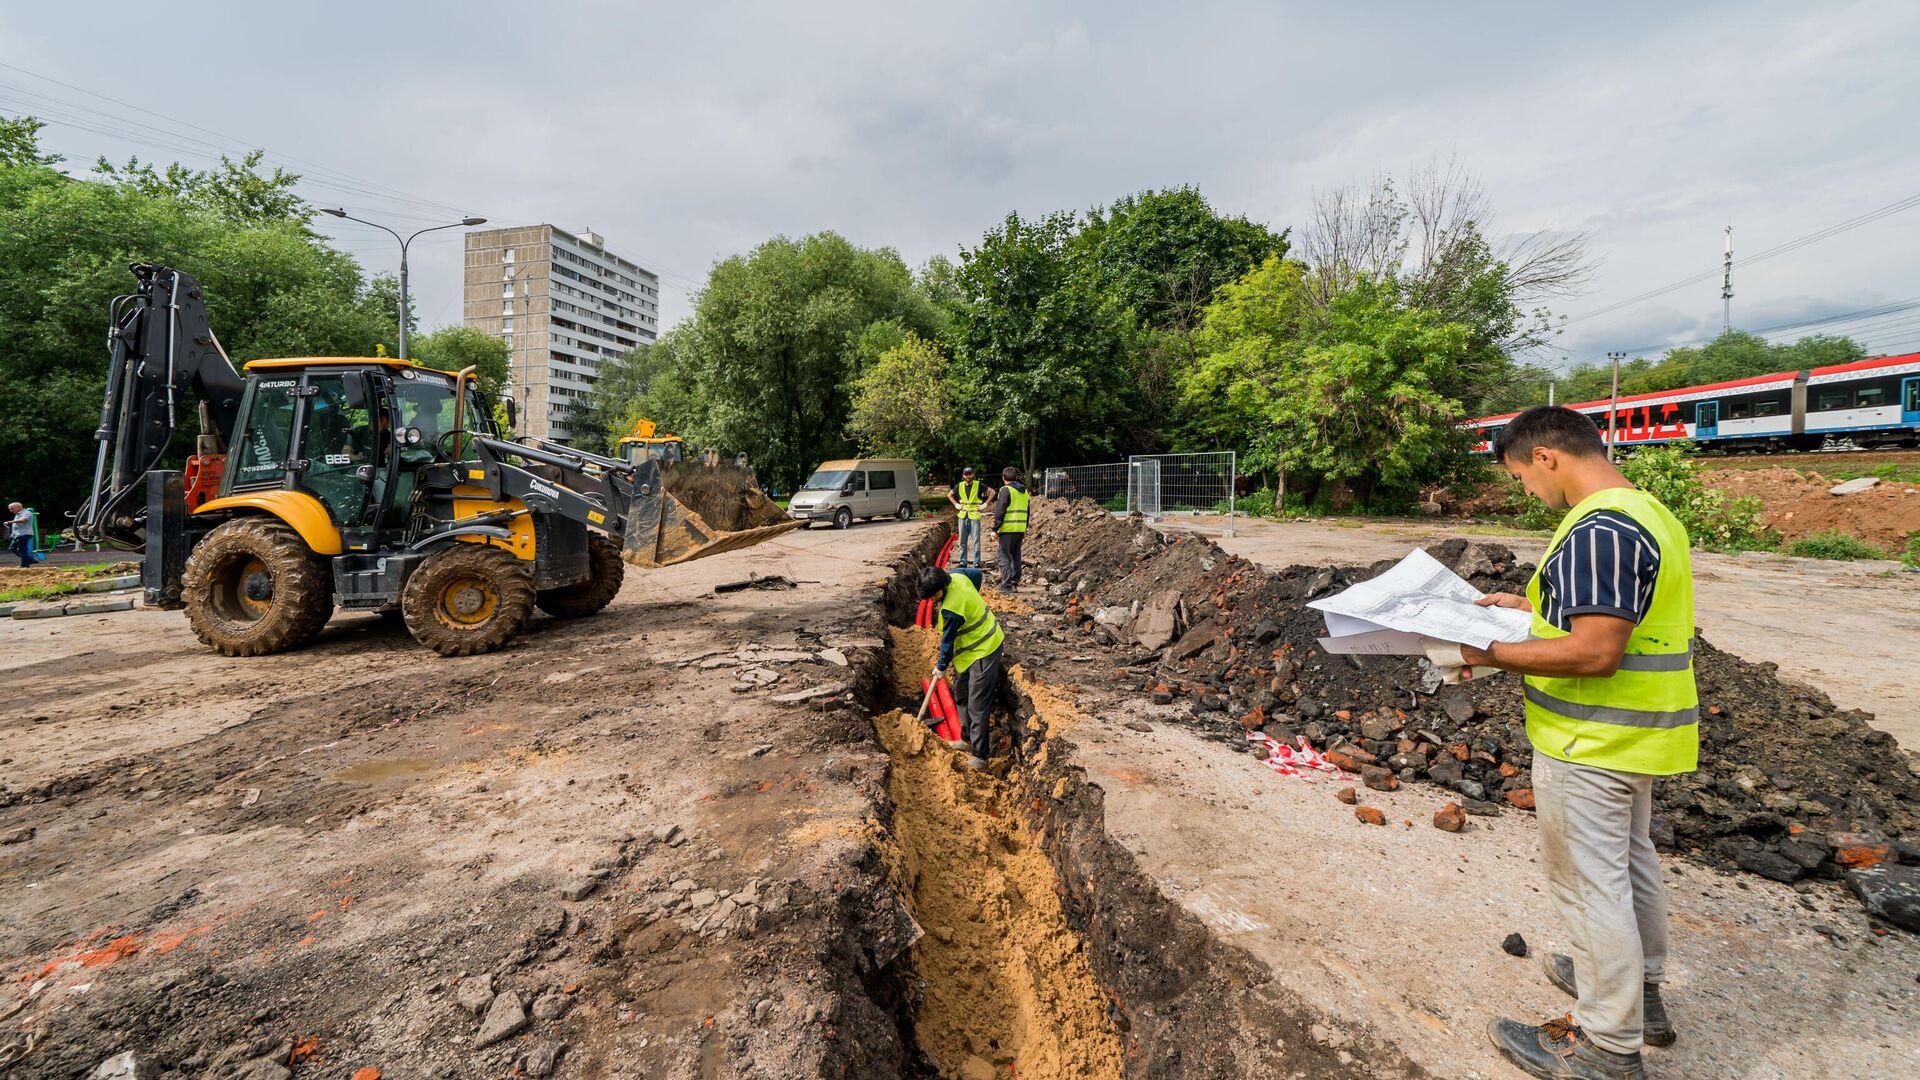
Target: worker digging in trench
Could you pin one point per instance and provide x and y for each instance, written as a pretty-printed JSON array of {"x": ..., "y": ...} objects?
[
  {"x": 1611, "y": 705},
  {"x": 972, "y": 643}
]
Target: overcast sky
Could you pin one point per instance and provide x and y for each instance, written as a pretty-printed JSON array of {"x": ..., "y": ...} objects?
[{"x": 685, "y": 133}]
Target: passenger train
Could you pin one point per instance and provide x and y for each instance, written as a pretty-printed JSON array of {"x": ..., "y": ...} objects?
[{"x": 1866, "y": 403}]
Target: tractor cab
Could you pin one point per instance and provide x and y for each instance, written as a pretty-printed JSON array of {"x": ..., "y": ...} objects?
[
  {"x": 353, "y": 434},
  {"x": 645, "y": 445}
]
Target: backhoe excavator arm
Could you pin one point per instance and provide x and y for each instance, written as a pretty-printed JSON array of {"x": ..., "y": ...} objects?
[{"x": 161, "y": 347}]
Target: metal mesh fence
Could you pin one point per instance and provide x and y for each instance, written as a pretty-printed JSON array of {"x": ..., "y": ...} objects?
[
  {"x": 1105, "y": 484},
  {"x": 1192, "y": 490},
  {"x": 1188, "y": 490}
]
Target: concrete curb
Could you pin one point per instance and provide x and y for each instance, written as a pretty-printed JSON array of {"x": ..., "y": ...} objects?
[
  {"x": 72, "y": 607},
  {"x": 112, "y": 584}
]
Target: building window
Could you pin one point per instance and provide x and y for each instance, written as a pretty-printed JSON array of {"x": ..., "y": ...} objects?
[
  {"x": 507, "y": 339},
  {"x": 506, "y": 307},
  {"x": 506, "y": 256},
  {"x": 506, "y": 324}
]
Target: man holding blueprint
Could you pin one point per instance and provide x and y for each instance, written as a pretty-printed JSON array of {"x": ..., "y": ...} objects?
[{"x": 1611, "y": 704}]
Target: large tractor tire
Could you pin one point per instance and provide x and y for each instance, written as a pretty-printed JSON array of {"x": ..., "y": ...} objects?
[
  {"x": 253, "y": 587},
  {"x": 606, "y": 570},
  {"x": 468, "y": 599}
]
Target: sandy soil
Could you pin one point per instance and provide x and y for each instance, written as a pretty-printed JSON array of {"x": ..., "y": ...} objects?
[
  {"x": 1850, "y": 628},
  {"x": 1396, "y": 930},
  {"x": 331, "y": 857},
  {"x": 1800, "y": 504}
]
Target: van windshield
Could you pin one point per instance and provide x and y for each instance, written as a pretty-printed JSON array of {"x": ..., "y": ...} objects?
[{"x": 827, "y": 480}]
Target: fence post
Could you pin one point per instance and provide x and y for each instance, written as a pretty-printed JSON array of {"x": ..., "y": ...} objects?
[{"x": 1233, "y": 488}]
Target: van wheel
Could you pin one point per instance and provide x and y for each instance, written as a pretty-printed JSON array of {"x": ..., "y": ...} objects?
[
  {"x": 843, "y": 518},
  {"x": 906, "y": 512}
]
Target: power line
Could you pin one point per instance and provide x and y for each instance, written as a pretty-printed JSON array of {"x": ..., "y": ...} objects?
[
  {"x": 1816, "y": 236},
  {"x": 312, "y": 175}
]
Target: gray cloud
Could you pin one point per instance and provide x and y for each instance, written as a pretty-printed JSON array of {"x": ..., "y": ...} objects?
[{"x": 687, "y": 133}]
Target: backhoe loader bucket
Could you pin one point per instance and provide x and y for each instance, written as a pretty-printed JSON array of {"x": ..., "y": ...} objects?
[{"x": 686, "y": 510}]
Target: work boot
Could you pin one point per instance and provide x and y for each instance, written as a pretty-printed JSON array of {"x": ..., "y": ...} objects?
[
  {"x": 1655, "y": 1028},
  {"x": 977, "y": 764},
  {"x": 1559, "y": 1050}
]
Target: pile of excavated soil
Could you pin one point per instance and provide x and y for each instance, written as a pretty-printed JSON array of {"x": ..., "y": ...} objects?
[
  {"x": 1798, "y": 504},
  {"x": 1789, "y": 786},
  {"x": 1006, "y": 989}
]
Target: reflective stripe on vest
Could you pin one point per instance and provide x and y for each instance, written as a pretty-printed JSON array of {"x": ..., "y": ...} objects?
[
  {"x": 1645, "y": 718},
  {"x": 979, "y": 631},
  {"x": 1015, "y": 519},
  {"x": 968, "y": 492}
]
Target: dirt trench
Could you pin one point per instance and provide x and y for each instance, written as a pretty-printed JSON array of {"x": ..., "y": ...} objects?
[{"x": 1039, "y": 949}]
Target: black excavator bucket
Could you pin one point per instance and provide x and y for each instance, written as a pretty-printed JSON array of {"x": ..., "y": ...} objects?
[{"x": 687, "y": 510}]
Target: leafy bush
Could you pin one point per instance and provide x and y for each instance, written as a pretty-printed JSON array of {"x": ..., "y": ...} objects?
[
  {"x": 1671, "y": 474},
  {"x": 1117, "y": 504},
  {"x": 1253, "y": 504},
  {"x": 1911, "y": 553},
  {"x": 1834, "y": 544}
]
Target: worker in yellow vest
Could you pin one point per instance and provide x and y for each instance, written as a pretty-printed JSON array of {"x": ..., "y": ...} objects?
[
  {"x": 967, "y": 502},
  {"x": 1010, "y": 521},
  {"x": 1611, "y": 705},
  {"x": 971, "y": 644}
]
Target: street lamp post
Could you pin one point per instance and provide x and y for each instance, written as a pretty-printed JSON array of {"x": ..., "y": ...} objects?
[{"x": 404, "y": 242}]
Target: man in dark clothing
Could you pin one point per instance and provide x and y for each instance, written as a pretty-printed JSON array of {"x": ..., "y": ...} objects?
[
  {"x": 971, "y": 642},
  {"x": 1010, "y": 521}
]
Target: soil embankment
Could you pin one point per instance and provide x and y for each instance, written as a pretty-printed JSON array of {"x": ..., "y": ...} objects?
[{"x": 1799, "y": 504}]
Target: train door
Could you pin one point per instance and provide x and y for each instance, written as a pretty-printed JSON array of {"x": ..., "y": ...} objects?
[
  {"x": 1706, "y": 420},
  {"x": 1910, "y": 400}
]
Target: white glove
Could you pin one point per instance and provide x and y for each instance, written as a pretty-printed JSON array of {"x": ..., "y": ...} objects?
[{"x": 1446, "y": 657}]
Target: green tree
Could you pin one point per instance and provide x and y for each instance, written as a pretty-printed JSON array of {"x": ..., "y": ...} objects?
[
  {"x": 656, "y": 382},
  {"x": 271, "y": 289},
  {"x": 1162, "y": 254},
  {"x": 1349, "y": 392},
  {"x": 234, "y": 190},
  {"x": 1042, "y": 354},
  {"x": 776, "y": 343},
  {"x": 456, "y": 348},
  {"x": 902, "y": 403}
]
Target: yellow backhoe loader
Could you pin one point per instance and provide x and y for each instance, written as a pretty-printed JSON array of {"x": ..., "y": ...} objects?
[{"x": 368, "y": 485}]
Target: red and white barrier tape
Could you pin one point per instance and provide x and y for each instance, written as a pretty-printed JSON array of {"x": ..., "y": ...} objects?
[{"x": 1289, "y": 761}]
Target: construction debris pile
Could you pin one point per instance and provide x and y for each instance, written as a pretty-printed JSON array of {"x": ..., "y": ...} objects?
[{"x": 1789, "y": 786}]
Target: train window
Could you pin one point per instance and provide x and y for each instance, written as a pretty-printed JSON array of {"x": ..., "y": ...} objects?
[
  {"x": 1740, "y": 410},
  {"x": 1913, "y": 395},
  {"x": 1829, "y": 400},
  {"x": 1768, "y": 408},
  {"x": 1872, "y": 397}
]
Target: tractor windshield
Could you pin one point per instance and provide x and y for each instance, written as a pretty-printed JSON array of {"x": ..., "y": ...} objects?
[{"x": 427, "y": 404}]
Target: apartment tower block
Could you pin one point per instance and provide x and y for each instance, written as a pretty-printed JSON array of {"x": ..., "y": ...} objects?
[{"x": 564, "y": 305}]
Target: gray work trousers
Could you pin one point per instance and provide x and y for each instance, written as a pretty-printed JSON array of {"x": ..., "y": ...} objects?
[
  {"x": 969, "y": 533},
  {"x": 973, "y": 692},
  {"x": 1010, "y": 562},
  {"x": 1604, "y": 878}
]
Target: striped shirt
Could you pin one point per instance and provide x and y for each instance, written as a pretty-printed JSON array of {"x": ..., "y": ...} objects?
[{"x": 1606, "y": 566}]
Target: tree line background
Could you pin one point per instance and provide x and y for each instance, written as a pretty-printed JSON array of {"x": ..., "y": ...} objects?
[{"x": 1342, "y": 356}]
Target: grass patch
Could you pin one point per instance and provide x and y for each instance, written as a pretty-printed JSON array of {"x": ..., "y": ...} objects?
[
  {"x": 1833, "y": 544},
  {"x": 44, "y": 591}
]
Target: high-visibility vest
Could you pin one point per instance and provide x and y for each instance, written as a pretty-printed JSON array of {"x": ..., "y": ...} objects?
[
  {"x": 979, "y": 630},
  {"x": 1645, "y": 718},
  {"x": 1015, "y": 519},
  {"x": 968, "y": 492}
]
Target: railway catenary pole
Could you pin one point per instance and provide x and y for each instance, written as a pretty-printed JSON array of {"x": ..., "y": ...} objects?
[
  {"x": 1613, "y": 405},
  {"x": 1726, "y": 286}
]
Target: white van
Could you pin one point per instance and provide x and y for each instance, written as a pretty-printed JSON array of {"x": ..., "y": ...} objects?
[{"x": 839, "y": 491}]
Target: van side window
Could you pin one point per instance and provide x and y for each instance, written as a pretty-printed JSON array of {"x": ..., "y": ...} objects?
[
  {"x": 882, "y": 481},
  {"x": 857, "y": 480}
]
